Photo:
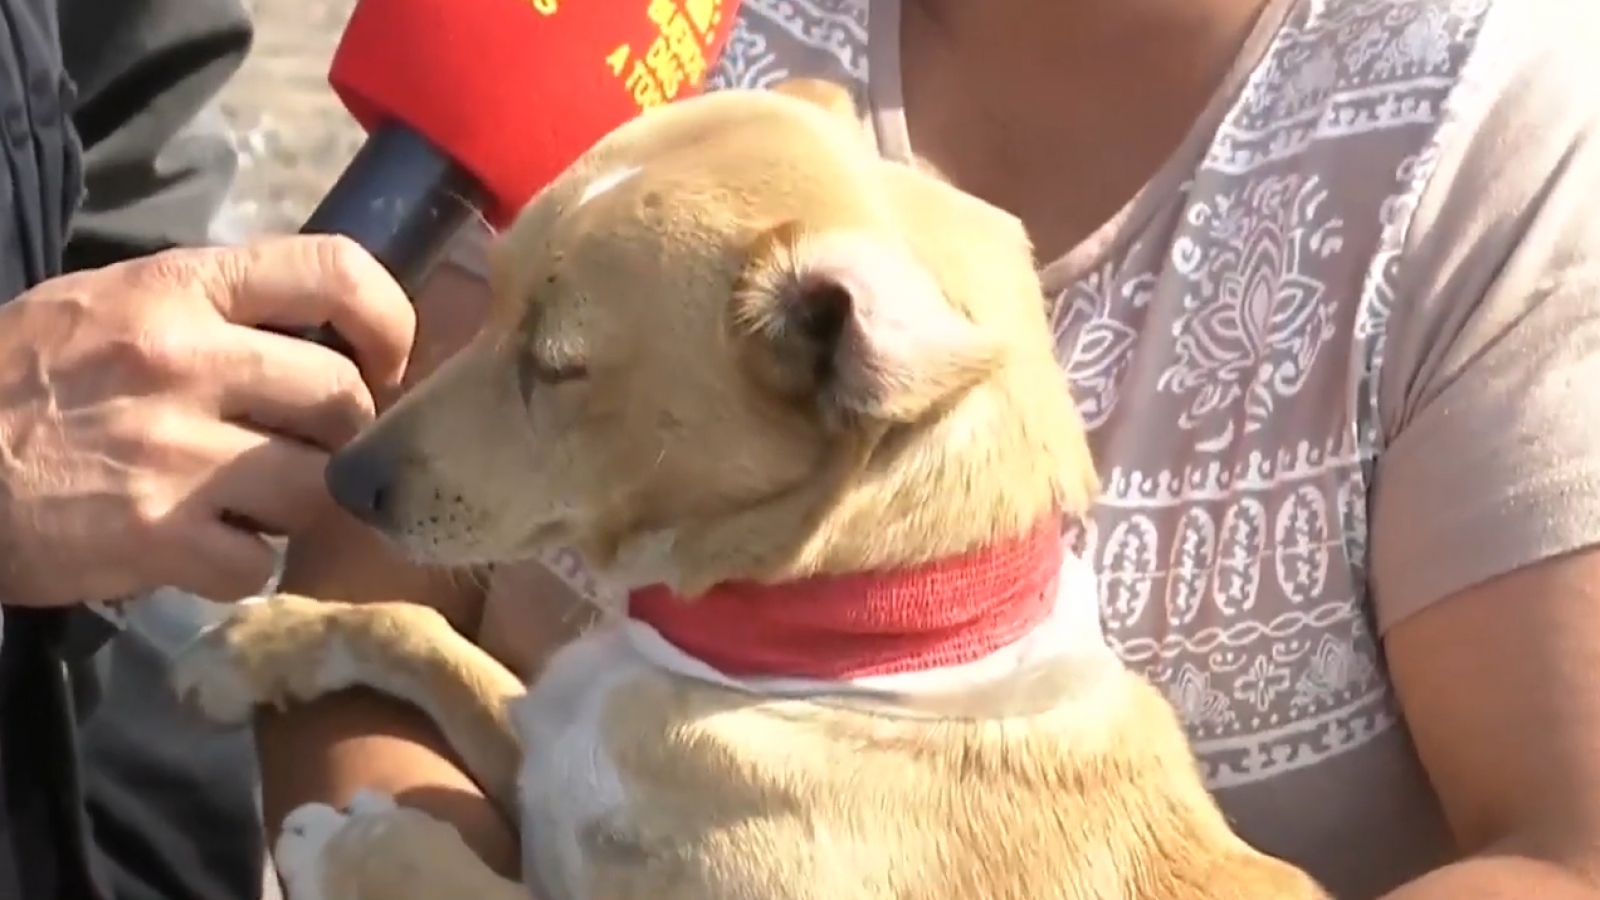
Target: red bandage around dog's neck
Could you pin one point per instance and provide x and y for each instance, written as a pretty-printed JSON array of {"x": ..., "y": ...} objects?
[{"x": 938, "y": 614}]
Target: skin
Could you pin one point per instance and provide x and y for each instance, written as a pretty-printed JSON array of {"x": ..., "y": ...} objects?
[
  {"x": 1475, "y": 673},
  {"x": 330, "y": 749},
  {"x": 147, "y": 423}
]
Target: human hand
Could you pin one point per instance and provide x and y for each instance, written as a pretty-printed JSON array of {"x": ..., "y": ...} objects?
[{"x": 150, "y": 432}]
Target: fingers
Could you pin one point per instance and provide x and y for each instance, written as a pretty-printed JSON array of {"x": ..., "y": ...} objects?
[
  {"x": 224, "y": 563},
  {"x": 260, "y": 482},
  {"x": 290, "y": 387},
  {"x": 300, "y": 281}
]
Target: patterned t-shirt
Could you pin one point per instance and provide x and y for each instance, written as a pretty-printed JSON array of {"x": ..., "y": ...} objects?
[{"x": 1338, "y": 362}]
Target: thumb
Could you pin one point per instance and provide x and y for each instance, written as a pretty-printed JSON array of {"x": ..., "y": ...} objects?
[{"x": 303, "y": 281}]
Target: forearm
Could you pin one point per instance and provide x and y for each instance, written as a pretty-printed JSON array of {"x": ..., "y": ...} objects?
[
  {"x": 1497, "y": 878},
  {"x": 326, "y": 751},
  {"x": 1513, "y": 869}
]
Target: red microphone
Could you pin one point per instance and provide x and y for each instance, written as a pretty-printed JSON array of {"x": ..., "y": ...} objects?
[{"x": 472, "y": 106}]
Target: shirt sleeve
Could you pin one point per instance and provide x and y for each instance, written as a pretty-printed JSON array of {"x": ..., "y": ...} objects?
[
  {"x": 1489, "y": 394},
  {"x": 158, "y": 159}
]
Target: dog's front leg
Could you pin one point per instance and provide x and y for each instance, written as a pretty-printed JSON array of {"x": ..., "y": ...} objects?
[
  {"x": 377, "y": 850},
  {"x": 291, "y": 648}
]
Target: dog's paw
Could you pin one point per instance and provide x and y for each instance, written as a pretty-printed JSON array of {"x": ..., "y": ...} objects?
[
  {"x": 266, "y": 652},
  {"x": 309, "y": 869},
  {"x": 372, "y": 849},
  {"x": 301, "y": 850}
]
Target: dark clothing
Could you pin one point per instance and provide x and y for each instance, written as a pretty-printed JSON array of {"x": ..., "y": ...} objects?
[
  {"x": 41, "y": 177},
  {"x": 143, "y": 70},
  {"x": 171, "y": 801},
  {"x": 40, "y": 191}
]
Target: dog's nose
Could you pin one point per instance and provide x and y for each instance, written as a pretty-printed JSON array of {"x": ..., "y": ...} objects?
[{"x": 359, "y": 481}]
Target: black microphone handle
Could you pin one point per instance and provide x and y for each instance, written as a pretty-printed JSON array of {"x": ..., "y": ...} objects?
[{"x": 403, "y": 200}]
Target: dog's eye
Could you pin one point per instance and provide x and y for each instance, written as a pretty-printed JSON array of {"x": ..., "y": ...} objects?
[
  {"x": 561, "y": 373},
  {"x": 535, "y": 372}
]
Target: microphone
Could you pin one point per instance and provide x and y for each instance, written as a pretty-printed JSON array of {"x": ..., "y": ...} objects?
[{"x": 472, "y": 106}]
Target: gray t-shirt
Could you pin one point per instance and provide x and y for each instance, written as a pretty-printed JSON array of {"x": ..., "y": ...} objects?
[{"x": 1338, "y": 361}]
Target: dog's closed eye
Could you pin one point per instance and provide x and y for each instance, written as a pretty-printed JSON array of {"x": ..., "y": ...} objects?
[{"x": 535, "y": 371}]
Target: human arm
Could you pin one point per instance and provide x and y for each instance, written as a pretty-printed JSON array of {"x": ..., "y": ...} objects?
[
  {"x": 1485, "y": 513},
  {"x": 1497, "y": 683},
  {"x": 327, "y": 750}
]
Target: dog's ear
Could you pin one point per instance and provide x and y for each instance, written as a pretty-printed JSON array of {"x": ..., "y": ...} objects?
[
  {"x": 831, "y": 96},
  {"x": 853, "y": 319}
]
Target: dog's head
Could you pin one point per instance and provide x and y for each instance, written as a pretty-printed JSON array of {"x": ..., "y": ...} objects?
[{"x": 727, "y": 329}]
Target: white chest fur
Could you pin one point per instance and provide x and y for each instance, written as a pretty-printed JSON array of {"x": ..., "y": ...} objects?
[{"x": 569, "y": 783}]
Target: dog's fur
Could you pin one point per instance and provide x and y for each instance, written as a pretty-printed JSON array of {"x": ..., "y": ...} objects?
[{"x": 732, "y": 343}]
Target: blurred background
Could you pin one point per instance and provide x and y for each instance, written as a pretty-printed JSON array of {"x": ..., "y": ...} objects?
[{"x": 292, "y": 135}]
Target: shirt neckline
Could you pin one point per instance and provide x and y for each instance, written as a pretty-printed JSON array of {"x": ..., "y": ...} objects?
[{"x": 887, "y": 115}]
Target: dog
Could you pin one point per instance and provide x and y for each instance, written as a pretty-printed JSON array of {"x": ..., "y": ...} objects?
[{"x": 801, "y": 404}]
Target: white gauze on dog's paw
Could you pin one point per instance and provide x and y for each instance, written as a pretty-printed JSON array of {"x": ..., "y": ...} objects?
[
  {"x": 302, "y": 851},
  {"x": 298, "y": 853}
]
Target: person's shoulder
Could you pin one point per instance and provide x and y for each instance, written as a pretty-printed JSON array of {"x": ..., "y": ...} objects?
[
  {"x": 1509, "y": 203},
  {"x": 777, "y": 39},
  {"x": 1527, "y": 98},
  {"x": 1529, "y": 85},
  {"x": 1491, "y": 336}
]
